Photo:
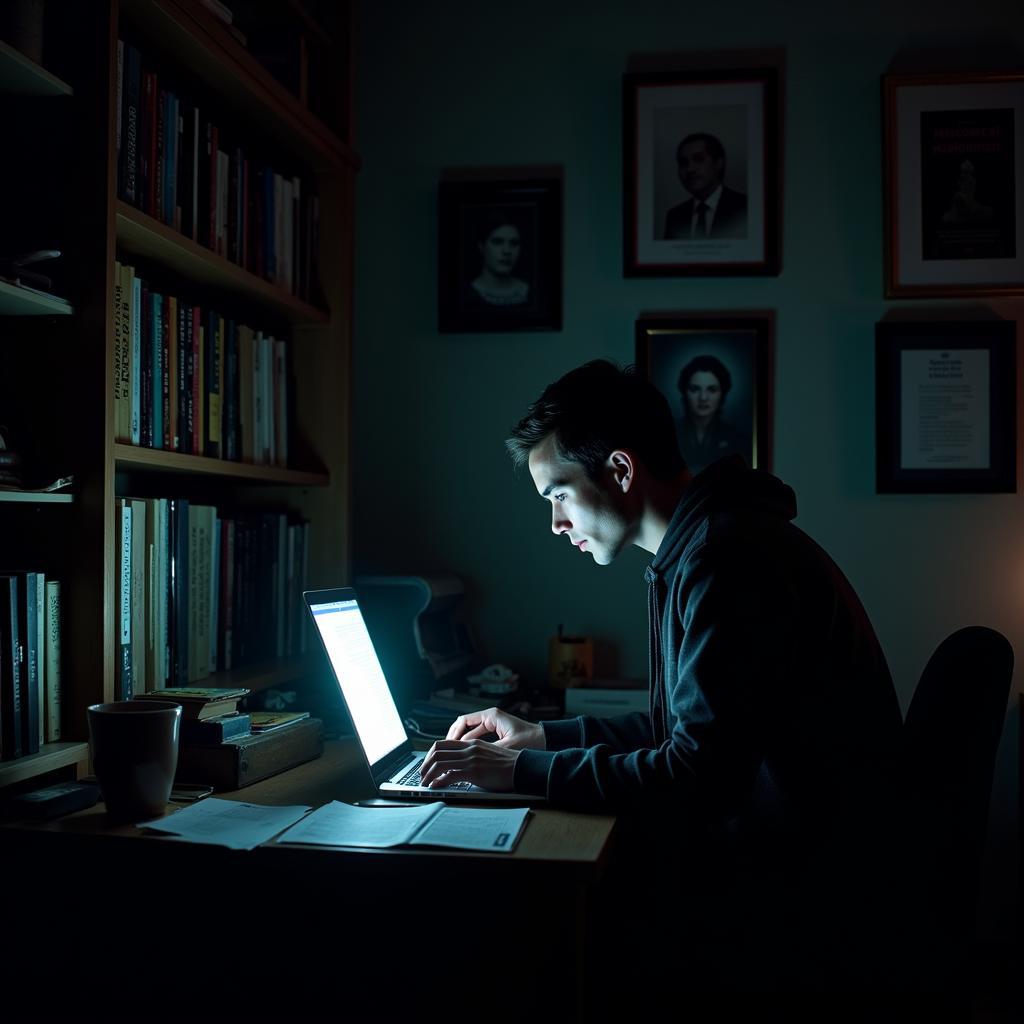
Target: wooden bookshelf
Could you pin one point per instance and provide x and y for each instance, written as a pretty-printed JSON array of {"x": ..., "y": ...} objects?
[
  {"x": 21, "y": 76},
  {"x": 37, "y": 497},
  {"x": 198, "y": 40},
  {"x": 51, "y": 757},
  {"x": 18, "y": 301},
  {"x": 77, "y": 407},
  {"x": 129, "y": 456},
  {"x": 140, "y": 235}
]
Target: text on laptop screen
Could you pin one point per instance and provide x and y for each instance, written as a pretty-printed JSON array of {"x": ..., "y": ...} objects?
[{"x": 362, "y": 681}]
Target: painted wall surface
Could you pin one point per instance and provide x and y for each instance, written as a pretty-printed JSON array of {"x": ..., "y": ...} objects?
[{"x": 464, "y": 84}]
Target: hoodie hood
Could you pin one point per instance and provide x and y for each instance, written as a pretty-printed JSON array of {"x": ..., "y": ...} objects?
[{"x": 728, "y": 486}]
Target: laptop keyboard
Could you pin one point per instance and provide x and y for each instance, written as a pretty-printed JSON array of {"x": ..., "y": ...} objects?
[{"x": 412, "y": 778}]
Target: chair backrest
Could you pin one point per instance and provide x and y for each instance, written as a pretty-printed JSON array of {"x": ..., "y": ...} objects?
[{"x": 951, "y": 734}]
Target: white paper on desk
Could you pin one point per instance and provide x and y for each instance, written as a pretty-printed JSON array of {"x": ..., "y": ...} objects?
[
  {"x": 432, "y": 824},
  {"x": 231, "y": 823}
]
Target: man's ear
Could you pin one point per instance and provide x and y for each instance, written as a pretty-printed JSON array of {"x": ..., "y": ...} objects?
[{"x": 623, "y": 469}]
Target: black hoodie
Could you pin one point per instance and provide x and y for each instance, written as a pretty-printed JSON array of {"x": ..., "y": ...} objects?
[{"x": 771, "y": 700}]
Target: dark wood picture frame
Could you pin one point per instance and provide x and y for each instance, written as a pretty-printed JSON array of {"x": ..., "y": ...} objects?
[
  {"x": 500, "y": 255},
  {"x": 954, "y": 215},
  {"x": 686, "y": 133},
  {"x": 733, "y": 351},
  {"x": 945, "y": 407}
]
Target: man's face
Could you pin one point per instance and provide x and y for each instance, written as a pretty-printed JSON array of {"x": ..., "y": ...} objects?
[
  {"x": 699, "y": 172},
  {"x": 594, "y": 515}
]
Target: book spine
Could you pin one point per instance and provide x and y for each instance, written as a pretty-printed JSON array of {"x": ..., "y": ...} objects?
[
  {"x": 119, "y": 413},
  {"x": 140, "y": 676},
  {"x": 227, "y": 590},
  {"x": 183, "y": 440},
  {"x": 41, "y": 657},
  {"x": 180, "y": 574},
  {"x": 173, "y": 358},
  {"x": 136, "y": 357},
  {"x": 193, "y": 594},
  {"x": 280, "y": 404},
  {"x": 157, "y": 367},
  {"x": 130, "y": 126},
  {"x": 52, "y": 684},
  {"x": 27, "y": 630},
  {"x": 10, "y": 670},
  {"x": 165, "y": 379},
  {"x": 124, "y": 576},
  {"x": 145, "y": 369}
]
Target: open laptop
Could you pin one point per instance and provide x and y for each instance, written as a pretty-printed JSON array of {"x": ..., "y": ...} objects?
[{"x": 386, "y": 745}]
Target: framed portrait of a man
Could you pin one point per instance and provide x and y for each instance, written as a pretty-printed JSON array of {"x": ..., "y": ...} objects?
[
  {"x": 701, "y": 173},
  {"x": 500, "y": 255},
  {"x": 954, "y": 155},
  {"x": 714, "y": 369}
]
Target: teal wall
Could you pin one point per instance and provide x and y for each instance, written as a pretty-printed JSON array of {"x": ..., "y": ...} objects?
[{"x": 464, "y": 84}]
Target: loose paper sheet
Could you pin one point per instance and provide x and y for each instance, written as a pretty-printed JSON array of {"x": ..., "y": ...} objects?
[
  {"x": 432, "y": 824},
  {"x": 231, "y": 823}
]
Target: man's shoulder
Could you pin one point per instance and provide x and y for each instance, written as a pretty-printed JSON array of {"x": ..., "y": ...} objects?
[{"x": 732, "y": 199}]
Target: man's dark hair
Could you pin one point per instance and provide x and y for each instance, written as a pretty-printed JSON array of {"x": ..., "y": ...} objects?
[
  {"x": 595, "y": 409},
  {"x": 706, "y": 364},
  {"x": 711, "y": 142}
]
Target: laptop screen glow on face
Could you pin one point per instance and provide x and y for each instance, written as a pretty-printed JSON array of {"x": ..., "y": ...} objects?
[{"x": 362, "y": 681}]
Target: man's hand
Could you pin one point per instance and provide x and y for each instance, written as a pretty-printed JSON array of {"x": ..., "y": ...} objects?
[
  {"x": 512, "y": 732},
  {"x": 481, "y": 763}
]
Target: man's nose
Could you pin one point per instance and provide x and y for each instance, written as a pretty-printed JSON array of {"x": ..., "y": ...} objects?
[{"x": 559, "y": 524}]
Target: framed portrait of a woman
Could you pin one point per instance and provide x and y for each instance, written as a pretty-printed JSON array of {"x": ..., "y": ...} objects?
[
  {"x": 500, "y": 255},
  {"x": 715, "y": 371}
]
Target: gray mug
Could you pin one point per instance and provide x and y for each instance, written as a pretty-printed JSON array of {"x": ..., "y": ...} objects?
[{"x": 134, "y": 746}]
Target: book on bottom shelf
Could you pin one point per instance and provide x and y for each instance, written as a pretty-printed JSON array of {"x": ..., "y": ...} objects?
[{"x": 248, "y": 759}]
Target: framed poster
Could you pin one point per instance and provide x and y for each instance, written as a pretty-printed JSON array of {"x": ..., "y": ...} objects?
[
  {"x": 945, "y": 407},
  {"x": 500, "y": 255},
  {"x": 715, "y": 371},
  {"x": 954, "y": 156},
  {"x": 701, "y": 173}
]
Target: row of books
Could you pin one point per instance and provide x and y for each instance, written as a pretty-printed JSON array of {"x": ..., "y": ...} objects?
[
  {"x": 175, "y": 163},
  {"x": 29, "y": 662},
  {"x": 200, "y": 592},
  {"x": 188, "y": 379}
]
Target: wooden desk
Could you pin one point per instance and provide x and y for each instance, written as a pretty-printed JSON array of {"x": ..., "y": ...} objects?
[{"x": 309, "y": 920}]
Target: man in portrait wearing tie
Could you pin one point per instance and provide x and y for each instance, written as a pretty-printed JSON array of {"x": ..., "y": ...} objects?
[{"x": 715, "y": 211}]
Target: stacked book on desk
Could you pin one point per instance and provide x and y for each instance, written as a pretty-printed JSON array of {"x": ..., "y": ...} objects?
[{"x": 223, "y": 747}]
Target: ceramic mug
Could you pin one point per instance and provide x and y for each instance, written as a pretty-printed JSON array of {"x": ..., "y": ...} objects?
[{"x": 134, "y": 746}]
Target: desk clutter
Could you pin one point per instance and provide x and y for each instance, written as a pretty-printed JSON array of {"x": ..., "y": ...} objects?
[
  {"x": 244, "y": 826},
  {"x": 228, "y": 748}
]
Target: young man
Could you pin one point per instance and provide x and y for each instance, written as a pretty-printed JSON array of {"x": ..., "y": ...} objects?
[{"x": 773, "y": 731}]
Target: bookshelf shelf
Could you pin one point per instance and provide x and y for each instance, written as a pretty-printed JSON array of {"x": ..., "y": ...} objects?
[
  {"x": 193, "y": 36},
  {"x": 51, "y": 756},
  {"x": 37, "y": 497},
  {"x": 129, "y": 456},
  {"x": 142, "y": 235},
  {"x": 264, "y": 675},
  {"x": 18, "y": 301},
  {"x": 21, "y": 76},
  {"x": 75, "y": 421}
]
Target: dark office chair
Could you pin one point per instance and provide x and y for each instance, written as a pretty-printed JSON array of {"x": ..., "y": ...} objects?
[{"x": 951, "y": 733}]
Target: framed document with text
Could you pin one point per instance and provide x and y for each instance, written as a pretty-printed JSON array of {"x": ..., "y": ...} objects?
[
  {"x": 945, "y": 407},
  {"x": 954, "y": 156}
]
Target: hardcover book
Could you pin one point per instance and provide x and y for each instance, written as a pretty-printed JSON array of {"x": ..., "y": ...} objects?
[
  {"x": 214, "y": 730},
  {"x": 241, "y": 762},
  {"x": 264, "y": 721},
  {"x": 200, "y": 702}
]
